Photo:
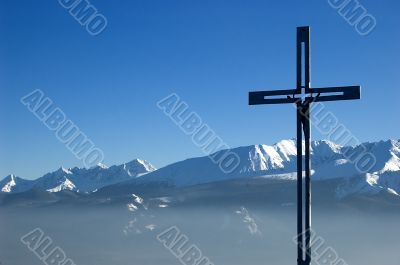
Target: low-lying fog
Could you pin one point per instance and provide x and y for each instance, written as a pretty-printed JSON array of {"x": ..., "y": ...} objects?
[{"x": 226, "y": 235}]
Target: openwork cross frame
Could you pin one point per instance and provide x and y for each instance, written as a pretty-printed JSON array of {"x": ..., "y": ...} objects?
[{"x": 303, "y": 96}]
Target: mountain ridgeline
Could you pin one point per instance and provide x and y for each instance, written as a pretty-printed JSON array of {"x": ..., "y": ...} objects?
[{"x": 368, "y": 169}]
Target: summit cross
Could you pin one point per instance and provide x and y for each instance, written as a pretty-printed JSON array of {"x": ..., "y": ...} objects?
[{"x": 303, "y": 96}]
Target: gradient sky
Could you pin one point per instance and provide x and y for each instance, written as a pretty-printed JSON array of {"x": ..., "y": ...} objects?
[{"x": 209, "y": 52}]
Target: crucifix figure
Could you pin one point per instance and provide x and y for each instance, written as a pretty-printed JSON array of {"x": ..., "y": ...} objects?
[{"x": 303, "y": 96}]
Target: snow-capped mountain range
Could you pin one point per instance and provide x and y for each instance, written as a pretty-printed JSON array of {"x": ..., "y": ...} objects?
[
  {"x": 278, "y": 161},
  {"x": 78, "y": 179}
]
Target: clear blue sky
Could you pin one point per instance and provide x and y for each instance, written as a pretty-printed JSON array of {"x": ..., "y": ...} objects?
[{"x": 209, "y": 52}]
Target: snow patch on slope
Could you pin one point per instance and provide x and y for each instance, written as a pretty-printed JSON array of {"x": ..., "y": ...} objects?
[
  {"x": 9, "y": 185},
  {"x": 65, "y": 185}
]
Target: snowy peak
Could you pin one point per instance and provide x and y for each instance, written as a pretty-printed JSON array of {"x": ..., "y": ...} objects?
[
  {"x": 262, "y": 157},
  {"x": 325, "y": 148},
  {"x": 393, "y": 156},
  {"x": 386, "y": 154},
  {"x": 282, "y": 155},
  {"x": 138, "y": 167},
  {"x": 12, "y": 183},
  {"x": 8, "y": 183},
  {"x": 287, "y": 148},
  {"x": 66, "y": 184},
  {"x": 101, "y": 165},
  {"x": 63, "y": 170}
]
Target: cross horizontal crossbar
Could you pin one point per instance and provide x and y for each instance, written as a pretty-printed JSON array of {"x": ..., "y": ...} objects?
[{"x": 269, "y": 97}]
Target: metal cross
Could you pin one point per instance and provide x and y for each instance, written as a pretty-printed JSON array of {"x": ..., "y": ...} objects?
[{"x": 303, "y": 102}]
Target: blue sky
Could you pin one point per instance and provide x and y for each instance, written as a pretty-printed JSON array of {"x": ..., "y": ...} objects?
[{"x": 211, "y": 53}]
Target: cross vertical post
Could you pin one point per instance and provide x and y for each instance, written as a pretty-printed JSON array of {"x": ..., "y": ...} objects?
[
  {"x": 303, "y": 128},
  {"x": 303, "y": 103}
]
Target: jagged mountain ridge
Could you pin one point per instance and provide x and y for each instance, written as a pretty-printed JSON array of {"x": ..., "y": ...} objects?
[
  {"x": 329, "y": 161},
  {"x": 79, "y": 179},
  {"x": 266, "y": 161}
]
